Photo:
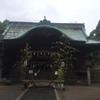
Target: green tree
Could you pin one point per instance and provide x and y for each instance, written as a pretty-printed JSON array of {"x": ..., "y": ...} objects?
[
  {"x": 2, "y": 27},
  {"x": 65, "y": 52},
  {"x": 25, "y": 54},
  {"x": 96, "y": 31},
  {"x": 96, "y": 55}
]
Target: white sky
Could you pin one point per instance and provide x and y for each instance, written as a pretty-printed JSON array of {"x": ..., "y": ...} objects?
[{"x": 58, "y": 11}]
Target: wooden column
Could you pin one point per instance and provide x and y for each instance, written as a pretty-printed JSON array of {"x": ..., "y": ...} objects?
[
  {"x": 0, "y": 68},
  {"x": 31, "y": 74},
  {"x": 88, "y": 76}
]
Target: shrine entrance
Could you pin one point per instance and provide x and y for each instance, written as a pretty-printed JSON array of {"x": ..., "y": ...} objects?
[{"x": 43, "y": 73}]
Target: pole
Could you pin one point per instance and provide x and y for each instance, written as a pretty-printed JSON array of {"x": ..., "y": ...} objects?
[{"x": 88, "y": 76}]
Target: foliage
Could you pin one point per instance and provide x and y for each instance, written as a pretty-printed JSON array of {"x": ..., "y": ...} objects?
[
  {"x": 65, "y": 53},
  {"x": 26, "y": 53},
  {"x": 25, "y": 57},
  {"x": 96, "y": 54},
  {"x": 96, "y": 32},
  {"x": 95, "y": 74},
  {"x": 8, "y": 81},
  {"x": 96, "y": 58},
  {"x": 2, "y": 27},
  {"x": 60, "y": 74},
  {"x": 96, "y": 62}
]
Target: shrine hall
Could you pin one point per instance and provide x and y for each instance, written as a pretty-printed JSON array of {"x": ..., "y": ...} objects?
[{"x": 40, "y": 36}]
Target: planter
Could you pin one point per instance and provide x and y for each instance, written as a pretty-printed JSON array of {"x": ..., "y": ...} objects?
[
  {"x": 8, "y": 82},
  {"x": 25, "y": 85},
  {"x": 60, "y": 86}
]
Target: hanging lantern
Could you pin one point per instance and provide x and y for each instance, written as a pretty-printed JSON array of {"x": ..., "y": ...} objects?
[
  {"x": 33, "y": 65},
  {"x": 56, "y": 72},
  {"x": 34, "y": 53},
  {"x": 25, "y": 63},
  {"x": 48, "y": 53},
  {"x": 51, "y": 66},
  {"x": 89, "y": 60},
  {"x": 41, "y": 53},
  {"x": 63, "y": 63}
]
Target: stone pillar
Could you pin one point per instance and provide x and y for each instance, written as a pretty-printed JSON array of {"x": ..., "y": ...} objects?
[
  {"x": 0, "y": 73},
  {"x": 88, "y": 76}
]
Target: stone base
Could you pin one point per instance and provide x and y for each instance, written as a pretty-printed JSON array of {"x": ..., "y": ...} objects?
[
  {"x": 71, "y": 82},
  {"x": 15, "y": 79}
]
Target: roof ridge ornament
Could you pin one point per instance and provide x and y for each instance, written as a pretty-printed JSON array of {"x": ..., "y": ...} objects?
[
  {"x": 44, "y": 17},
  {"x": 44, "y": 21}
]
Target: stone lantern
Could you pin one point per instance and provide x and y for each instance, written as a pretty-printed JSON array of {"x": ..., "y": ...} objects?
[{"x": 88, "y": 65}]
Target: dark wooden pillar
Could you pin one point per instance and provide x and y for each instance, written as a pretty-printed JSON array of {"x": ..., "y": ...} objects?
[{"x": 1, "y": 54}]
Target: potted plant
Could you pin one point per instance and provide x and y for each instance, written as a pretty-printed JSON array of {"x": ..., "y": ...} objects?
[
  {"x": 8, "y": 82},
  {"x": 60, "y": 77},
  {"x": 25, "y": 84}
]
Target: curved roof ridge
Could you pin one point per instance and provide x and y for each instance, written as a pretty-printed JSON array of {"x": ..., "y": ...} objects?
[{"x": 44, "y": 26}]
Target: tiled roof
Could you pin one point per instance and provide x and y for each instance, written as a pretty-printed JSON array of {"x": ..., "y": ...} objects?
[
  {"x": 75, "y": 34},
  {"x": 74, "y": 31},
  {"x": 17, "y": 29},
  {"x": 93, "y": 41}
]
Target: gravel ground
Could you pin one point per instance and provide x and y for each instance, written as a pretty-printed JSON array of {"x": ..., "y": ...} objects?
[
  {"x": 80, "y": 92},
  {"x": 10, "y": 92}
]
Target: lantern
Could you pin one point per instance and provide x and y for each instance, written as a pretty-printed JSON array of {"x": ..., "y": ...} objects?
[
  {"x": 33, "y": 65},
  {"x": 63, "y": 63},
  {"x": 88, "y": 61},
  {"x": 25, "y": 63}
]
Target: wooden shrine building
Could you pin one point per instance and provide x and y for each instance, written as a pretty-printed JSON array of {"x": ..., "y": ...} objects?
[{"x": 40, "y": 37}]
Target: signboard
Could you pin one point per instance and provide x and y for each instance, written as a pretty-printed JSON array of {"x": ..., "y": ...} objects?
[
  {"x": 35, "y": 74},
  {"x": 30, "y": 71}
]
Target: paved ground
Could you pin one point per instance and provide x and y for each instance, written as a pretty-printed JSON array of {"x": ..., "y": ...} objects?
[
  {"x": 81, "y": 92},
  {"x": 10, "y": 92},
  {"x": 39, "y": 94},
  {"x": 71, "y": 93}
]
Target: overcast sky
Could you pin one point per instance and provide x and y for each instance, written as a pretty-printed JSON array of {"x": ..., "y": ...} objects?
[{"x": 57, "y": 11}]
